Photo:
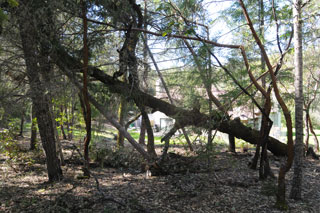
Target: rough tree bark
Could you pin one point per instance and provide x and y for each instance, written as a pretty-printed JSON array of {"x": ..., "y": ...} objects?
[
  {"x": 29, "y": 37},
  {"x": 298, "y": 84}
]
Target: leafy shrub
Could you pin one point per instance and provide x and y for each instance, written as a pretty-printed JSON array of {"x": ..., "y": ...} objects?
[{"x": 8, "y": 145}]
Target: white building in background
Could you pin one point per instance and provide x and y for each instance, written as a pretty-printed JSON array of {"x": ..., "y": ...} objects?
[
  {"x": 160, "y": 122},
  {"x": 247, "y": 116}
]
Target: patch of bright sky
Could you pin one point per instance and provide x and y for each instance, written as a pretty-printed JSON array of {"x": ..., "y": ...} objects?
[{"x": 219, "y": 31}]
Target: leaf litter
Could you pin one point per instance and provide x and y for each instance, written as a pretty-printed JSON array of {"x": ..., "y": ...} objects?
[{"x": 219, "y": 182}]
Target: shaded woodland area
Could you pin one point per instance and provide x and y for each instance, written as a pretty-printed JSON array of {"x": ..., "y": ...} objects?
[{"x": 159, "y": 106}]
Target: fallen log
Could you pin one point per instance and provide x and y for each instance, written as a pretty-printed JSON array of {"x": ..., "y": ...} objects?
[{"x": 182, "y": 116}]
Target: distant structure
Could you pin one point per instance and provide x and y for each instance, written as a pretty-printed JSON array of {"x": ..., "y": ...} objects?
[{"x": 161, "y": 122}]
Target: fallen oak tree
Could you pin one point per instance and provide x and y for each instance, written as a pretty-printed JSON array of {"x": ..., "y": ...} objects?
[{"x": 182, "y": 116}]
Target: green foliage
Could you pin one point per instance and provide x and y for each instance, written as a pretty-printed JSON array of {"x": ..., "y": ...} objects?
[
  {"x": 3, "y": 16},
  {"x": 8, "y": 145},
  {"x": 13, "y": 3}
]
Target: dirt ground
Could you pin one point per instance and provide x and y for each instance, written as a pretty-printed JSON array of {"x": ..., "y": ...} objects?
[{"x": 215, "y": 182}]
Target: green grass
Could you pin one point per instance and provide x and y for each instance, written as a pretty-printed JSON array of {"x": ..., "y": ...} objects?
[
  {"x": 109, "y": 133},
  {"x": 136, "y": 135}
]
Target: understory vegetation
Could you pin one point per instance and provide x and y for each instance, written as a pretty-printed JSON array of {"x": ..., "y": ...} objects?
[{"x": 159, "y": 106}]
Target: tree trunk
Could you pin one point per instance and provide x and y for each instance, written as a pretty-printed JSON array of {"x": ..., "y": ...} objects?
[
  {"x": 58, "y": 142},
  {"x": 106, "y": 113},
  {"x": 232, "y": 144},
  {"x": 39, "y": 98},
  {"x": 62, "y": 123},
  {"x": 121, "y": 117},
  {"x": 266, "y": 125},
  {"x": 64, "y": 136},
  {"x": 285, "y": 167},
  {"x": 87, "y": 107},
  {"x": 182, "y": 116},
  {"x": 314, "y": 134},
  {"x": 308, "y": 119},
  {"x": 307, "y": 130},
  {"x": 298, "y": 83},
  {"x": 128, "y": 67},
  {"x": 150, "y": 144},
  {"x": 146, "y": 67},
  {"x": 33, "y": 139},
  {"x": 121, "y": 112},
  {"x": 142, "y": 132},
  {"x": 46, "y": 72}
]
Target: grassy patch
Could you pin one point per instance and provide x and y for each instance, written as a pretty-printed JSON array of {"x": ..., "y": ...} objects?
[{"x": 136, "y": 135}]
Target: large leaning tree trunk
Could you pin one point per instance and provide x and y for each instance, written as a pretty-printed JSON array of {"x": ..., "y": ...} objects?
[
  {"x": 182, "y": 116},
  {"x": 27, "y": 17},
  {"x": 298, "y": 84}
]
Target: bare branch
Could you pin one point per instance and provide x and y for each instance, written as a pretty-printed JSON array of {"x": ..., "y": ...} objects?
[{"x": 277, "y": 26}]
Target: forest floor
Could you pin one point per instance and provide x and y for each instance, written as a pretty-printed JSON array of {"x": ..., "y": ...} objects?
[{"x": 201, "y": 182}]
